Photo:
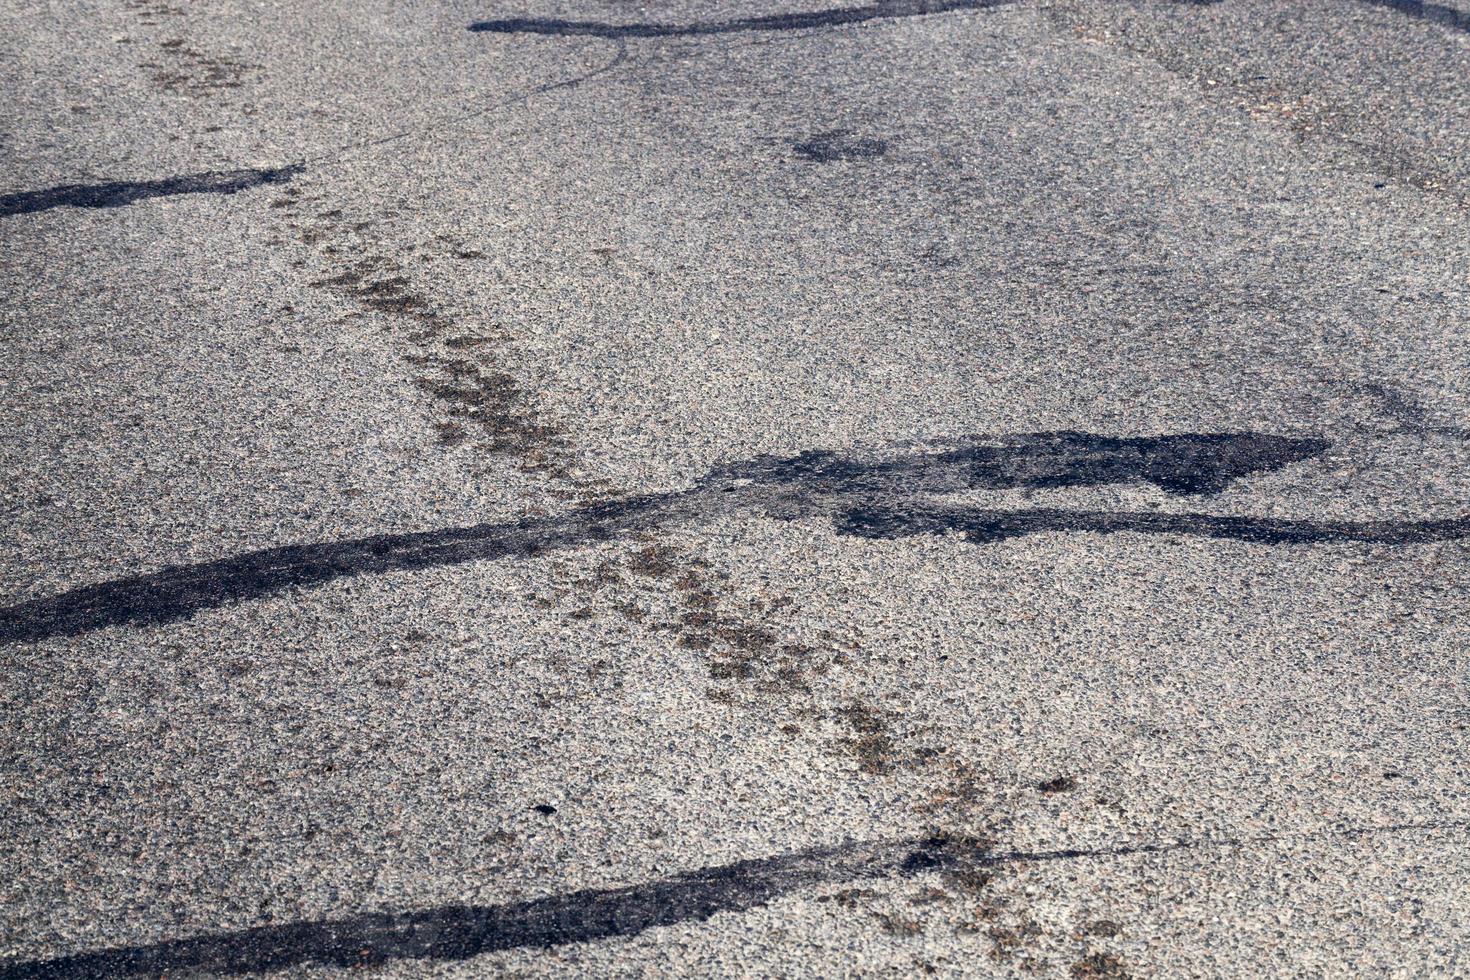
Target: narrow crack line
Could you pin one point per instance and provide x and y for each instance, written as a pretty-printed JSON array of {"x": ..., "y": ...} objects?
[
  {"x": 336, "y": 156},
  {"x": 1210, "y": 843}
]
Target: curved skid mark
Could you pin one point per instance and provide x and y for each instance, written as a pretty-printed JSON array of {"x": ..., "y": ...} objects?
[{"x": 888, "y": 498}]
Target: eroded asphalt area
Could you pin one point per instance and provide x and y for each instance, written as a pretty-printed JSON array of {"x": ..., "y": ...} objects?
[{"x": 590, "y": 488}]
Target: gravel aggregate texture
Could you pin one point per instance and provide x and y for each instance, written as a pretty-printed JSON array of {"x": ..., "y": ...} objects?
[{"x": 589, "y": 488}]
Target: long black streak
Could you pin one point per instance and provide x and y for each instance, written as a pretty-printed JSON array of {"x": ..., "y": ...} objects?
[
  {"x": 982, "y": 525},
  {"x": 831, "y": 17},
  {"x": 863, "y": 497},
  {"x": 457, "y": 932},
  {"x": 121, "y": 193}
]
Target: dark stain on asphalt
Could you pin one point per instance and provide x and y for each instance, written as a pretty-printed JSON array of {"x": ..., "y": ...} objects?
[
  {"x": 805, "y": 20},
  {"x": 149, "y": 9},
  {"x": 882, "y": 498},
  {"x": 121, "y": 193},
  {"x": 1099, "y": 965},
  {"x": 1407, "y": 413},
  {"x": 839, "y": 145},
  {"x": 983, "y": 526},
  {"x": 458, "y": 932},
  {"x": 1061, "y": 784},
  {"x": 186, "y": 70},
  {"x": 1434, "y": 13},
  {"x": 869, "y": 739},
  {"x": 749, "y": 638},
  {"x": 485, "y": 407}
]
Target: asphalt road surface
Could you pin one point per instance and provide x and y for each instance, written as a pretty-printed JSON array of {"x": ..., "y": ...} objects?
[{"x": 590, "y": 488}]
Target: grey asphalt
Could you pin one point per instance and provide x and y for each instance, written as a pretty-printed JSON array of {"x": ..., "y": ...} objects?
[{"x": 533, "y": 488}]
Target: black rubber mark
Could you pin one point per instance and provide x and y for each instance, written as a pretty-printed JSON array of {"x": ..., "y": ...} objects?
[
  {"x": 832, "y": 17},
  {"x": 117, "y": 194},
  {"x": 1434, "y": 13},
  {"x": 983, "y": 526},
  {"x": 872, "y": 498},
  {"x": 839, "y": 145},
  {"x": 458, "y": 932}
]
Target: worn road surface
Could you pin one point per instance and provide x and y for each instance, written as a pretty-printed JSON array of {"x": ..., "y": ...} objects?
[{"x": 596, "y": 488}]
